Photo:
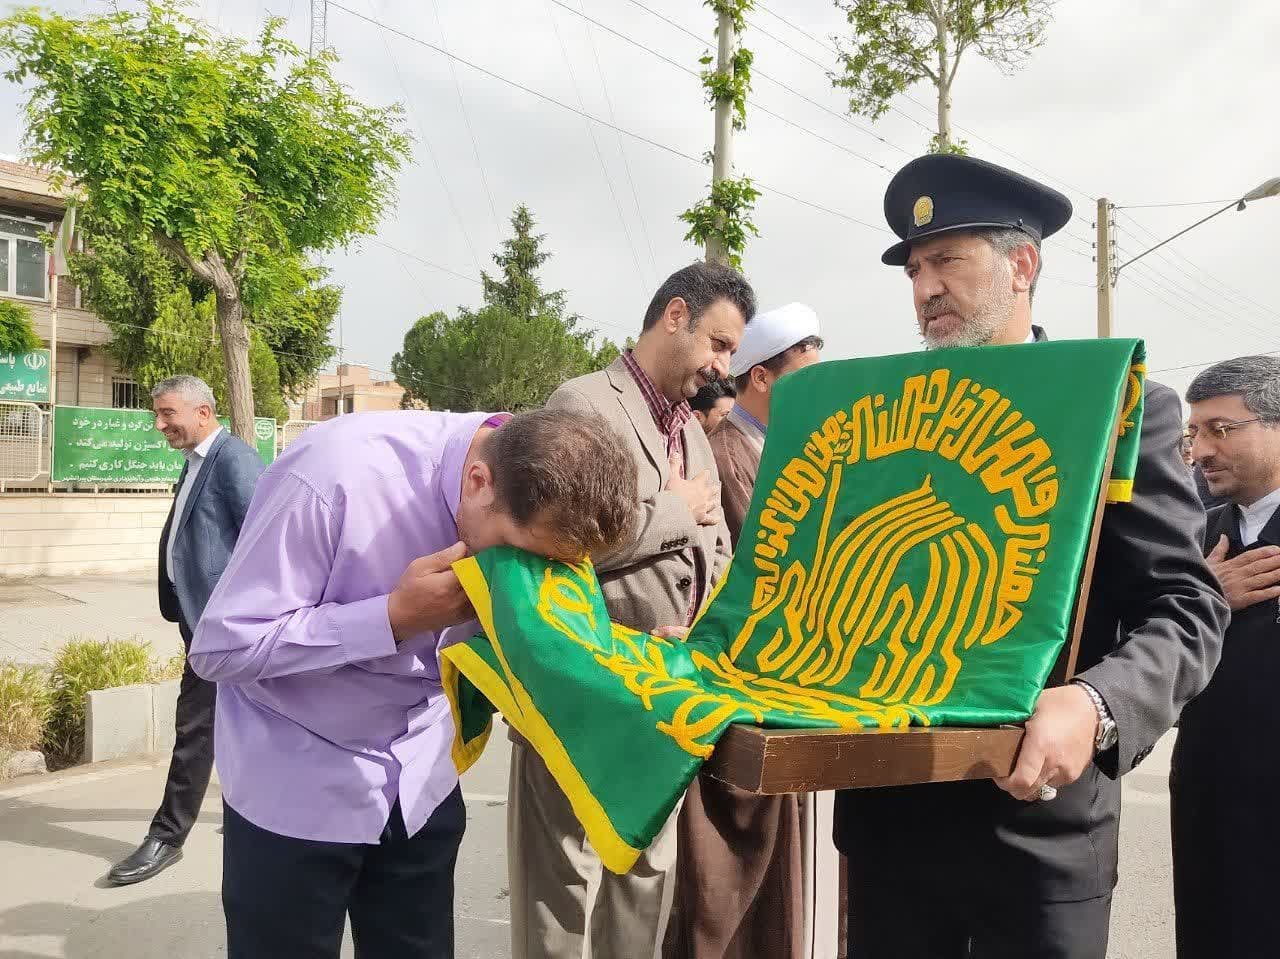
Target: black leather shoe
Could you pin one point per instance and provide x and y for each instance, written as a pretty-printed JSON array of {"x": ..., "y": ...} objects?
[{"x": 151, "y": 857}]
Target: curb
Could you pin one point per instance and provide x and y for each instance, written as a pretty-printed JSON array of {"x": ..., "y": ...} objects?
[{"x": 129, "y": 721}]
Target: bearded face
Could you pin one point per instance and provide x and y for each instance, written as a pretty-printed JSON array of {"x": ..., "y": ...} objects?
[{"x": 963, "y": 290}]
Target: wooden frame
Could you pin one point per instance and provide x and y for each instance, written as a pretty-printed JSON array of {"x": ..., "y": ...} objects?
[{"x": 775, "y": 761}]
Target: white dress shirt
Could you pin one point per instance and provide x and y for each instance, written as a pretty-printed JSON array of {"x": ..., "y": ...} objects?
[
  {"x": 1254, "y": 518},
  {"x": 195, "y": 459}
]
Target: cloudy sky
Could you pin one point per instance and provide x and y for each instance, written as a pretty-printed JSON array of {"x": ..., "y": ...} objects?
[{"x": 1146, "y": 103}]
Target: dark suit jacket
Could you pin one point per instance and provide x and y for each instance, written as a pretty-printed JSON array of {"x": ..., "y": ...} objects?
[
  {"x": 207, "y": 530},
  {"x": 1224, "y": 730},
  {"x": 1152, "y": 637}
]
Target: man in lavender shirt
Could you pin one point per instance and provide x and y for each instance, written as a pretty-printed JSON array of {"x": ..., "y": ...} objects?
[{"x": 323, "y": 634}]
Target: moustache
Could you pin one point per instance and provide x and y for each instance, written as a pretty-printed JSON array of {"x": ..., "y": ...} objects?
[
  {"x": 936, "y": 306},
  {"x": 708, "y": 375}
]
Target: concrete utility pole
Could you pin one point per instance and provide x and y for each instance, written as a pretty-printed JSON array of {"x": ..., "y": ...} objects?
[
  {"x": 722, "y": 158},
  {"x": 1106, "y": 272}
]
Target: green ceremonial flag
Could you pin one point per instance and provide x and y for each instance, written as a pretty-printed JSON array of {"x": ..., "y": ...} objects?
[{"x": 912, "y": 556}]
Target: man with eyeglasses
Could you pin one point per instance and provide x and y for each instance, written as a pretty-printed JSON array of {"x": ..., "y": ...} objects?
[{"x": 1224, "y": 783}]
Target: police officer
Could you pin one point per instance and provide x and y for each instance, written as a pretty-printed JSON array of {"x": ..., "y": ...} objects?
[{"x": 1025, "y": 866}]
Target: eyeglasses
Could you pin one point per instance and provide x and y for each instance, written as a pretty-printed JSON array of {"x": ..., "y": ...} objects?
[{"x": 1220, "y": 430}]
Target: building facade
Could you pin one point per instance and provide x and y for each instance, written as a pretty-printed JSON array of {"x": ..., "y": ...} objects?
[{"x": 352, "y": 389}]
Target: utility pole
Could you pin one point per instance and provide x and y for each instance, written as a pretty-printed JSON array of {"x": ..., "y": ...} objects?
[
  {"x": 722, "y": 157},
  {"x": 319, "y": 26},
  {"x": 1106, "y": 272}
]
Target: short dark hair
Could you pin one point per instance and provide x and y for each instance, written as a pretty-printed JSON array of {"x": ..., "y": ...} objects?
[
  {"x": 569, "y": 471},
  {"x": 775, "y": 363},
  {"x": 1255, "y": 379},
  {"x": 701, "y": 285},
  {"x": 706, "y": 398}
]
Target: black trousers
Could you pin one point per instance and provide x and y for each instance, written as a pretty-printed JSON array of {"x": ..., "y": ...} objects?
[
  {"x": 287, "y": 897},
  {"x": 946, "y": 918},
  {"x": 1226, "y": 835},
  {"x": 192, "y": 760}
]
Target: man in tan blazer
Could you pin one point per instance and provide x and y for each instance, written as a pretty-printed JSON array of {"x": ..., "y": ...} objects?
[{"x": 564, "y": 903}]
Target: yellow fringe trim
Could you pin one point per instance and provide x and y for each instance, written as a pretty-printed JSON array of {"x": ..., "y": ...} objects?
[
  {"x": 508, "y": 694},
  {"x": 1119, "y": 491}
]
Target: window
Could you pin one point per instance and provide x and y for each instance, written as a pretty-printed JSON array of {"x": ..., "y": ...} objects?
[
  {"x": 23, "y": 258},
  {"x": 125, "y": 394}
]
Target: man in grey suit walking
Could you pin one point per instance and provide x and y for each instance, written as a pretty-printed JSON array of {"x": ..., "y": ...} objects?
[
  {"x": 564, "y": 904},
  {"x": 213, "y": 494}
]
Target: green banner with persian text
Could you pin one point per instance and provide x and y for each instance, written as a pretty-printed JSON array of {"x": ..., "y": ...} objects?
[
  {"x": 24, "y": 377},
  {"x": 912, "y": 556},
  {"x": 123, "y": 447}
]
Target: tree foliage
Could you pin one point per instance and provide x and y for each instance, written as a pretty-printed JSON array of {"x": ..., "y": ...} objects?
[
  {"x": 227, "y": 154},
  {"x": 512, "y": 352},
  {"x": 725, "y": 214},
  {"x": 16, "y": 332},
  {"x": 895, "y": 44},
  {"x": 132, "y": 286}
]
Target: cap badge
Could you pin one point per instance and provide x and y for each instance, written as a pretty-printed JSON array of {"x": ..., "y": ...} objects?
[{"x": 922, "y": 212}]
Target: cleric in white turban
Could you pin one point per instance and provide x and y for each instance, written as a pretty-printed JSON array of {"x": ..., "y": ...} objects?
[{"x": 742, "y": 883}]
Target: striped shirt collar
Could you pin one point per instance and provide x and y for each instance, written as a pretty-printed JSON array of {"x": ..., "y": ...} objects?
[{"x": 669, "y": 417}]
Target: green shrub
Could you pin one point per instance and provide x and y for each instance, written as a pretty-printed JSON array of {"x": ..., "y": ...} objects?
[
  {"x": 171, "y": 668},
  {"x": 81, "y": 666},
  {"x": 17, "y": 335},
  {"x": 24, "y": 708}
]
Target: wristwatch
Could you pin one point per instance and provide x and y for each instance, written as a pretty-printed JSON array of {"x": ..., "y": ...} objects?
[{"x": 1107, "y": 734}]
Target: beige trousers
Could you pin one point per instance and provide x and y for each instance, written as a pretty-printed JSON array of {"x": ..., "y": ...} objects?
[{"x": 564, "y": 903}]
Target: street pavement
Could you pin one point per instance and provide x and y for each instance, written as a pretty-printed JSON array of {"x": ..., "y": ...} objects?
[
  {"x": 60, "y": 833},
  {"x": 38, "y": 615}
]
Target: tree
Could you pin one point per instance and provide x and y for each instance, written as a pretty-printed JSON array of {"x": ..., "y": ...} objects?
[
  {"x": 898, "y": 43},
  {"x": 182, "y": 340},
  {"x": 16, "y": 333},
  {"x": 512, "y": 352},
  {"x": 126, "y": 280},
  {"x": 227, "y": 156}
]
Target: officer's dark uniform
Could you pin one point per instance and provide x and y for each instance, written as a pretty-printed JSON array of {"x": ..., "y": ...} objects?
[
  {"x": 951, "y": 870},
  {"x": 1225, "y": 780}
]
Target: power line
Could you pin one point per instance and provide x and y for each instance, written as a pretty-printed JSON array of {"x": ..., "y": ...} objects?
[
  {"x": 426, "y": 141},
  {"x": 835, "y": 50},
  {"x": 756, "y": 72},
  {"x": 424, "y": 262},
  {"x": 1226, "y": 289},
  {"x": 1164, "y": 206},
  {"x": 666, "y": 148},
  {"x": 1200, "y": 301},
  {"x": 466, "y": 117},
  {"x": 629, "y": 331},
  {"x": 694, "y": 73},
  {"x": 1197, "y": 366},
  {"x": 595, "y": 143},
  {"x": 622, "y": 149}
]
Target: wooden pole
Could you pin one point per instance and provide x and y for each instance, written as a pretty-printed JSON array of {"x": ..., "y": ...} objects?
[{"x": 1106, "y": 273}]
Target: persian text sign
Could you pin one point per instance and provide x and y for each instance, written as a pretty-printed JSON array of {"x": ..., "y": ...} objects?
[
  {"x": 24, "y": 377},
  {"x": 123, "y": 447}
]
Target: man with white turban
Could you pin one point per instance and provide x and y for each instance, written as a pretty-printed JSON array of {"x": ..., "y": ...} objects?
[{"x": 755, "y": 871}]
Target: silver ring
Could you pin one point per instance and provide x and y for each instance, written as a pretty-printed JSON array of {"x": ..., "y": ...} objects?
[{"x": 1047, "y": 793}]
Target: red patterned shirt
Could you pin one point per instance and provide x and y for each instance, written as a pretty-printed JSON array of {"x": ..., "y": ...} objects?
[{"x": 669, "y": 417}]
